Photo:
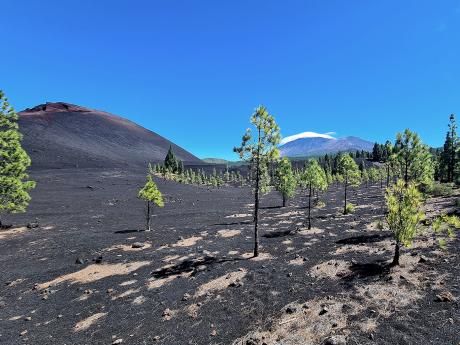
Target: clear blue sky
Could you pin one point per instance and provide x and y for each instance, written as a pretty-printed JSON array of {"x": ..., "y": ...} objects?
[{"x": 193, "y": 71}]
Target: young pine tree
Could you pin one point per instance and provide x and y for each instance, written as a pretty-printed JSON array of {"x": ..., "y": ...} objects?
[
  {"x": 14, "y": 161},
  {"x": 313, "y": 178},
  {"x": 412, "y": 159},
  {"x": 171, "y": 162},
  {"x": 404, "y": 215},
  {"x": 260, "y": 149},
  {"x": 151, "y": 195},
  {"x": 286, "y": 182},
  {"x": 351, "y": 175}
]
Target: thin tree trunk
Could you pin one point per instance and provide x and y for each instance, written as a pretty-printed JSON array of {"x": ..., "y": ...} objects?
[
  {"x": 148, "y": 215},
  {"x": 396, "y": 256},
  {"x": 388, "y": 176},
  {"x": 256, "y": 203},
  {"x": 284, "y": 200},
  {"x": 346, "y": 187},
  {"x": 309, "y": 209}
]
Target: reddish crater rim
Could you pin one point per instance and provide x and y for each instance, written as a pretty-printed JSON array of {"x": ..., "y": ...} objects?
[{"x": 56, "y": 107}]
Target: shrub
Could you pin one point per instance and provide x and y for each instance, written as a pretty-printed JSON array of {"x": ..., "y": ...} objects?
[
  {"x": 320, "y": 204},
  {"x": 350, "y": 208},
  {"x": 441, "y": 189}
]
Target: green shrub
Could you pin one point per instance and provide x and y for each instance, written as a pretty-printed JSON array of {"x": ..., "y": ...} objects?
[
  {"x": 320, "y": 204},
  {"x": 441, "y": 189},
  {"x": 350, "y": 208}
]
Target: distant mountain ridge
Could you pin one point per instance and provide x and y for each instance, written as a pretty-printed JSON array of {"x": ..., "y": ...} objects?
[
  {"x": 320, "y": 145},
  {"x": 64, "y": 135}
]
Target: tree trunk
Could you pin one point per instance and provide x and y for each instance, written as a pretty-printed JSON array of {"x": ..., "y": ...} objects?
[
  {"x": 309, "y": 209},
  {"x": 284, "y": 200},
  {"x": 396, "y": 256},
  {"x": 148, "y": 215},
  {"x": 346, "y": 188},
  {"x": 388, "y": 176},
  {"x": 256, "y": 203}
]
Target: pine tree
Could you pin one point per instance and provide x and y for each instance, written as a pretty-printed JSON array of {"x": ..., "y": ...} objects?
[
  {"x": 14, "y": 161},
  {"x": 450, "y": 150},
  {"x": 404, "y": 215},
  {"x": 259, "y": 149},
  {"x": 286, "y": 182},
  {"x": 313, "y": 178},
  {"x": 172, "y": 164},
  {"x": 150, "y": 194},
  {"x": 351, "y": 175},
  {"x": 412, "y": 159}
]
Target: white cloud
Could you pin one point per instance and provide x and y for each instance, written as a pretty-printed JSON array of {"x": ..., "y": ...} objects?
[{"x": 328, "y": 135}]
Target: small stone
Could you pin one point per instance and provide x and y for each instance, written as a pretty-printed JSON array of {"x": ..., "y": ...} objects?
[
  {"x": 33, "y": 225},
  {"x": 324, "y": 311},
  {"x": 60, "y": 316},
  {"x": 156, "y": 338},
  {"x": 110, "y": 291},
  {"x": 138, "y": 245},
  {"x": 213, "y": 333},
  {"x": 291, "y": 310},
  {"x": 27, "y": 318},
  {"x": 98, "y": 260},
  {"x": 423, "y": 259},
  {"x": 118, "y": 341},
  {"x": 289, "y": 274},
  {"x": 23, "y": 333},
  {"x": 79, "y": 261},
  {"x": 186, "y": 297}
]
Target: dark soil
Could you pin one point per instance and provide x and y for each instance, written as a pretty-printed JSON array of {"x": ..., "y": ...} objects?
[{"x": 86, "y": 216}]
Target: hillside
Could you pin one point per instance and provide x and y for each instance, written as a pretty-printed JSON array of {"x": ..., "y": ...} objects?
[{"x": 63, "y": 135}]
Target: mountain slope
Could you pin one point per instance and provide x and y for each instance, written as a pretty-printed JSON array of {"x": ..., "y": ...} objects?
[
  {"x": 313, "y": 146},
  {"x": 63, "y": 135}
]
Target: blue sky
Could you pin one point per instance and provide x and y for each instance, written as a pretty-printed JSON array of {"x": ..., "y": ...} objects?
[{"x": 193, "y": 71}]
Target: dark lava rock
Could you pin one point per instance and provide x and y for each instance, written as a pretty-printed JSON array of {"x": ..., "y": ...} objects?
[
  {"x": 138, "y": 245},
  {"x": 33, "y": 225},
  {"x": 324, "y": 311},
  {"x": 291, "y": 310},
  {"x": 79, "y": 261},
  {"x": 98, "y": 260}
]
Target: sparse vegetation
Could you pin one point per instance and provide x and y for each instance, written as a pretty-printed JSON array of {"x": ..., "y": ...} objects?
[
  {"x": 313, "y": 178},
  {"x": 351, "y": 176},
  {"x": 151, "y": 195},
  {"x": 285, "y": 182}
]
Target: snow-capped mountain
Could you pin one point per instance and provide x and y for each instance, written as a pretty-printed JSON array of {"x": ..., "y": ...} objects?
[{"x": 313, "y": 144}]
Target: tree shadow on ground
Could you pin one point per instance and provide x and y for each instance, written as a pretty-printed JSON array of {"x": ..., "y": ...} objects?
[
  {"x": 271, "y": 207},
  {"x": 244, "y": 222},
  {"x": 364, "y": 239},
  {"x": 192, "y": 266},
  {"x": 277, "y": 234},
  {"x": 378, "y": 268},
  {"x": 128, "y": 231}
]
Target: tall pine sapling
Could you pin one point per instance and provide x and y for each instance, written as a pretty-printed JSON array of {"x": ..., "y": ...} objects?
[
  {"x": 150, "y": 194},
  {"x": 286, "y": 182},
  {"x": 351, "y": 176},
  {"x": 14, "y": 161},
  {"x": 260, "y": 149},
  {"x": 313, "y": 178}
]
